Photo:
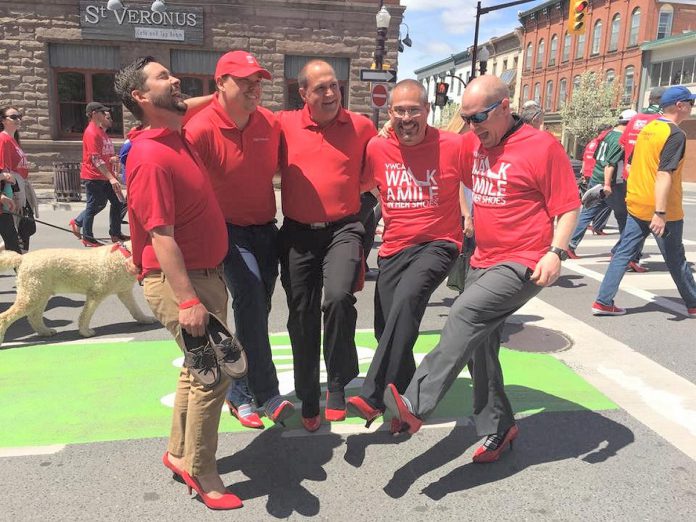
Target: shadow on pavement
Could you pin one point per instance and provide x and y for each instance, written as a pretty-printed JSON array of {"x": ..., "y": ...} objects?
[
  {"x": 276, "y": 466},
  {"x": 568, "y": 281}
]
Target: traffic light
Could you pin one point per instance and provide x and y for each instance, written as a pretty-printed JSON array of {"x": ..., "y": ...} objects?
[
  {"x": 577, "y": 13},
  {"x": 441, "y": 98}
]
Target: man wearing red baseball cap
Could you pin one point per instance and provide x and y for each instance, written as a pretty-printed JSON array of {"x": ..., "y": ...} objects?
[{"x": 238, "y": 142}]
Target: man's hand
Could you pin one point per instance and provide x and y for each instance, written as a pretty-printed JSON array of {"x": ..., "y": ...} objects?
[
  {"x": 7, "y": 176},
  {"x": 657, "y": 225},
  {"x": 116, "y": 186},
  {"x": 132, "y": 267},
  {"x": 607, "y": 190},
  {"x": 468, "y": 226},
  {"x": 385, "y": 130},
  {"x": 194, "y": 319},
  {"x": 8, "y": 202},
  {"x": 547, "y": 270}
]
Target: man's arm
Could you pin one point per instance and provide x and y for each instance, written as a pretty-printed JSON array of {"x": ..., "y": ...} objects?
[
  {"x": 608, "y": 176},
  {"x": 468, "y": 223},
  {"x": 549, "y": 267},
  {"x": 663, "y": 184},
  {"x": 193, "y": 319}
]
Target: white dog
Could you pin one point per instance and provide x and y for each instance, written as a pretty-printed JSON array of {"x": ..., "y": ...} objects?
[{"x": 94, "y": 272}]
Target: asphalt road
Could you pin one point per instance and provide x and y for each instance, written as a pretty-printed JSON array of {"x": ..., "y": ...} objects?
[{"x": 631, "y": 459}]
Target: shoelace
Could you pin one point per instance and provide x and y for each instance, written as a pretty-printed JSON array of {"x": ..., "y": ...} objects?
[
  {"x": 492, "y": 442},
  {"x": 230, "y": 350},
  {"x": 203, "y": 359}
]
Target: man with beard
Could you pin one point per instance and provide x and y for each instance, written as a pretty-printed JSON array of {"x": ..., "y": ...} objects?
[
  {"x": 238, "y": 143},
  {"x": 101, "y": 181},
  {"x": 179, "y": 242},
  {"x": 517, "y": 197},
  {"x": 321, "y": 160},
  {"x": 418, "y": 174}
]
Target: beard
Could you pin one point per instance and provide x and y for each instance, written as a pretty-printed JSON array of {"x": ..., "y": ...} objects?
[{"x": 170, "y": 103}]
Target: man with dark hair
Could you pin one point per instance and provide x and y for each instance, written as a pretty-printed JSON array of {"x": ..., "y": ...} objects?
[
  {"x": 101, "y": 180},
  {"x": 179, "y": 242}
]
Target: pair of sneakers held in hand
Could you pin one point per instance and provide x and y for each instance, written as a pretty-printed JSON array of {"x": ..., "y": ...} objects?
[{"x": 217, "y": 351}]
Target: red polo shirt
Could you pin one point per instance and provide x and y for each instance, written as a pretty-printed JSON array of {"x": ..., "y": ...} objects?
[
  {"x": 95, "y": 143},
  {"x": 240, "y": 163},
  {"x": 12, "y": 157},
  {"x": 322, "y": 167},
  {"x": 167, "y": 186},
  {"x": 517, "y": 194},
  {"x": 419, "y": 189},
  {"x": 630, "y": 135}
]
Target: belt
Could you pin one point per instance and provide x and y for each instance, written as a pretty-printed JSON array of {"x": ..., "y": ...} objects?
[
  {"x": 198, "y": 271},
  {"x": 321, "y": 225}
]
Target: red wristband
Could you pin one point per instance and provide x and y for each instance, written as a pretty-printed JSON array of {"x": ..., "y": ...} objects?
[{"x": 189, "y": 304}]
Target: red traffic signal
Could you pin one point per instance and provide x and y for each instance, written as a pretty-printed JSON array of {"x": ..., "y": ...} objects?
[
  {"x": 442, "y": 88},
  {"x": 577, "y": 13}
]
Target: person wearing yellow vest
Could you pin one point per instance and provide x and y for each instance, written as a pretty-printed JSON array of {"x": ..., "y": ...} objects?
[{"x": 654, "y": 202}]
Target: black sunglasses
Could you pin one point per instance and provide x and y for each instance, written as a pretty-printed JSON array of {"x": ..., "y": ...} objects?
[
  {"x": 480, "y": 117},
  {"x": 15, "y": 117}
]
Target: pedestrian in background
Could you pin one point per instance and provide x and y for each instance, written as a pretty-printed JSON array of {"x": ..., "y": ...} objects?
[{"x": 14, "y": 170}]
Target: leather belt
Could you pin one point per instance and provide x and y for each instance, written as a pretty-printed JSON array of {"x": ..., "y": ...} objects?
[{"x": 321, "y": 225}]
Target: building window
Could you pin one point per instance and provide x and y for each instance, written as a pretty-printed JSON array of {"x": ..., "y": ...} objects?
[
  {"x": 580, "y": 47},
  {"x": 495, "y": 68},
  {"x": 540, "y": 55},
  {"x": 628, "y": 86},
  {"x": 525, "y": 93},
  {"x": 596, "y": 38},
  {"x": 635, "y": 26},
  {"x": 195, "y": 69},
  {"x": 562, "y": 92},
  {"x": 614, "y": 32},
  {"x": 505, "y": 62},
  {"x": 528, "y": 58},
  {"x": 537, "y": 93},
  {"x": 565, "y": 55},
  {"x": 515, "y": 62},
  {"x": 553, "y": 50},
  {"x": 548, "y": 98},
  {"x": 293, "y": 65},
  {"x": 664, "y": 22},
  {"x": 576, "y": 82},
  {"x": 672, "y": 72},
  {"x": 609, "y": 77}
]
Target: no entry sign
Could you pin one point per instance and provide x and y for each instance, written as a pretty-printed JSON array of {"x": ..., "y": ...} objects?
[{"x": 379, "y": 95}]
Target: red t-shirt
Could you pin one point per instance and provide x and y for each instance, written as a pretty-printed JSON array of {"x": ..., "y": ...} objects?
[
  {"x": 241, "y": 164},
  {"x": 418, "y": 188},
  {"x": 95, "y": 143},
  {"x": 588, "y": 159},
  {"x": 167, "y": 186},
  {"x": 12, "y": 157},
  {"x": 322, "y": 167},
  {"x": 516, "y": 195},
  {"x": 630, "y": 135}
]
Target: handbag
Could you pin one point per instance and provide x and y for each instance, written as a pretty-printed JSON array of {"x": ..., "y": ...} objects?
[
  {"x": 457, "y": 276},
  {"x": 26, "y": 226}
]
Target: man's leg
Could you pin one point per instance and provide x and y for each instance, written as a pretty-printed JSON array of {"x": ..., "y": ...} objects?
[
  {"x": 115, "y": 212},
  {"x": 586, "y": 217},
  {"x": 96, "y": 201},
  {"x": 672, "y": 249}
]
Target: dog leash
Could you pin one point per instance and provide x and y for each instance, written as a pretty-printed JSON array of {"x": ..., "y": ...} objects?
[{"x": 50, "y": 224}]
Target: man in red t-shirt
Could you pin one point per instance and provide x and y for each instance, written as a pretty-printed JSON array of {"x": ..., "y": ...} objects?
[
  {"x": 321, "y": 160},
  {"x": 238, "y": 143},
  {"x": 101, "y": 182},
  {"x": 517, "y": 197},
  {"x": 179, "y": 242},
  {"x": 418, "y": 174}
]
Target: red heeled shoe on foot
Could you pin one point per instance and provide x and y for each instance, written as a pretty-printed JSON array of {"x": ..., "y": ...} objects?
[
  {"x": 396, "y": 405},
  {"x": 226, "y": 501},
  {"x": 311, "y": 424},
  {"x": 334, "y": 415},
  {"x": 248, "y": 421},
  {"x": 494, "y": 445},
  {"x": 168, "y": 463},
  {"x": 361, "y": 408}
]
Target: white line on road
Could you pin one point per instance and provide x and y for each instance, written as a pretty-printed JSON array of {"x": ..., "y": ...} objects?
[{"x": 27, "y": 451}]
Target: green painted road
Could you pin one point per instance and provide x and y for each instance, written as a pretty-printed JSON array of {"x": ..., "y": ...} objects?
[{"x": 80, "y": 393}]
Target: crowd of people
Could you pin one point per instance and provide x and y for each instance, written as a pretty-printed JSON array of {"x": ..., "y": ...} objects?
[{"x": 202, "y": 213}]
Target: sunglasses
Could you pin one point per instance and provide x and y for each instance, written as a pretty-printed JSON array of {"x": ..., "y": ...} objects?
[
  {"x": 15, "y": 117},
  {"x": 480, "y": 117}
]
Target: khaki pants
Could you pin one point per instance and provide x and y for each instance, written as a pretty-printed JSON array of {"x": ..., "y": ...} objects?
[{"x": 196, "y": 417}]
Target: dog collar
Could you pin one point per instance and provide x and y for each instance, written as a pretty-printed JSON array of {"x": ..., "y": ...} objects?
[{"x": 121, "y": 248}]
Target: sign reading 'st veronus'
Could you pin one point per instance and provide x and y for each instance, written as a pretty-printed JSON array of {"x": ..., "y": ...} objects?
[{"x": 137, "y": 22}]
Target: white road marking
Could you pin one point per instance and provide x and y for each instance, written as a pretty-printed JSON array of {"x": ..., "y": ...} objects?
[{"x": 28, "y": 451}]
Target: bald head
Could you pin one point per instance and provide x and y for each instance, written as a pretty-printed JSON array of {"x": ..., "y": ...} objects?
[
  {"x": 407, "y": 86},
  {"x": 486, "y": 107},
  {"x": 485, "y": 90}
]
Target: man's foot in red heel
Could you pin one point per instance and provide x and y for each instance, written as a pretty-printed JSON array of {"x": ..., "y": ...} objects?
[
  {"x": 494, "y": 445},
  {"x": 213, "y": 499},
  {"x": 335, "y": 409},
  {"x": 176, "y": 470},
  {"x": 311, "y": 424},
  {"x": 246, "y": 415},
  {"x": 363, "y": 409},
  {"x": 400, "y": 408}
]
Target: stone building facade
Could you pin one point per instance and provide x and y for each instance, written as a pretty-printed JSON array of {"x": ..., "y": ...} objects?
[{"x": 58, "y": 55}]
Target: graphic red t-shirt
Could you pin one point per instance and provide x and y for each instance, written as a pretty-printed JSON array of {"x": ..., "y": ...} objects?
[
  {"x": 322, "y": 167},
  {"x": 630, "y": 135},
  {"x": 419, "y": 189},
  {"x": 588, "y": 159},
  {"x": 95, "y": 143},
  {"x": 167, "y": 186},
  {"x": 241, "y": 164},
  {"x": 518, "y": 188},
  {"x": 12, "y": 157}
]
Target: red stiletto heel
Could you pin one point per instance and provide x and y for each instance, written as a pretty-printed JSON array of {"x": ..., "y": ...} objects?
[
  {"x": 333, "y": 415},
  {"x": 395, "y": 404},
  {"x": 168, "y": 463},
  {"x": 494, "y": 445},
  {"x": 361, "y": 408},
  {"x": 226, "y": 501}
]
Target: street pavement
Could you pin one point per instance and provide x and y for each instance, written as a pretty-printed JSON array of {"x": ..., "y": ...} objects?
[{"x": 606, "y": 409}]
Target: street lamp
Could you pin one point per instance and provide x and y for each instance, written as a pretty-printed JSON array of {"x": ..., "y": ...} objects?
[
  {"x": 483, "y": 56},
  {"x": 406, "y": 41},
  {"x": 383, "y": 18},
  {"x": 158, "y": 6},
  {"x": 114, "y": 5}
]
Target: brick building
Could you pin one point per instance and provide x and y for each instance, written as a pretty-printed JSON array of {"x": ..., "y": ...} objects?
[{"x": 57, "y": 56}]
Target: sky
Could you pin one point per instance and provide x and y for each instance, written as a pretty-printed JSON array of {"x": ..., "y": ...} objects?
[{"x": 440, "y": 28}]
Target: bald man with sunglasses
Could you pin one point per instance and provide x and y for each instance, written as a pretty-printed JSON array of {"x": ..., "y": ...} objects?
[{"x": 521, "y": 180}]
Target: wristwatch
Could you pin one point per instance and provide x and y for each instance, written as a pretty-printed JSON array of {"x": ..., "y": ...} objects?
[
  {"x": 660, "y": 213},
  {"x": 562, "y": 254}
]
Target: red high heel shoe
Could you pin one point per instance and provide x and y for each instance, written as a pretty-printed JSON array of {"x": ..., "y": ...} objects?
[
  {"x": 361, "y": 408},
  {"x": 333, "y": 415},
  {"x": 494, "y": 445},
  {"x": 226, "y": 501},
  {"x": 168, "y": 463},
  {"x": 396, "y": 405},
  {"x": 311, "y": 424},
  {"x": 248, "y": 421}
]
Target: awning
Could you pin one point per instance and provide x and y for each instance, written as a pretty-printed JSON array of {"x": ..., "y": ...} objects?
[{"x": 508, "y": 76}]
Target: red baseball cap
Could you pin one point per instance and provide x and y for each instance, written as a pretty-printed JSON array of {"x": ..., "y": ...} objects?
[{"x": 240, "y": 64}]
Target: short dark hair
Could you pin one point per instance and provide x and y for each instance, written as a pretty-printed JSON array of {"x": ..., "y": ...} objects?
[{"x": 129, "y": 79}]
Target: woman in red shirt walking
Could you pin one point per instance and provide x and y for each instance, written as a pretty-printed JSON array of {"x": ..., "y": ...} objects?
[{"x": 13, "y": 165}]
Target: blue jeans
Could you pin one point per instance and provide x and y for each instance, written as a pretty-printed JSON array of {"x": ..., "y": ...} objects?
[
  {"x": 671, "y": 248},
  {"x": 251, "y": 270},
  {"x": 98, "y": 194}
]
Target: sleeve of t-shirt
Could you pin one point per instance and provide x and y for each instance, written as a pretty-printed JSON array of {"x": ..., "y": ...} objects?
[
  {"x": 673, "y": 151},
  {"x": 556, "y": 181},
  {"x": 151, "y": 196},
  {"x": 466, "y": 159},
  {"x": 92, "y": 144},
  {"x": 367, "y": 179}
]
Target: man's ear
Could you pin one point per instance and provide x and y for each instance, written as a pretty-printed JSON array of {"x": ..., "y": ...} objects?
[
  {"x": 303, "y": 94},
  {"x": 138, "y": 96}
]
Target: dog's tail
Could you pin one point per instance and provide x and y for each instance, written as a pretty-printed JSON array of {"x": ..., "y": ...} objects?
[{"x": 9, "y": 259}]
